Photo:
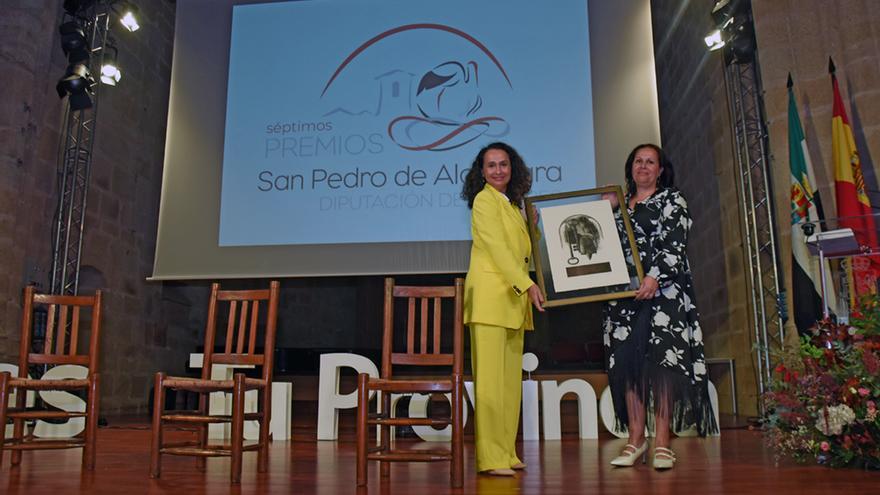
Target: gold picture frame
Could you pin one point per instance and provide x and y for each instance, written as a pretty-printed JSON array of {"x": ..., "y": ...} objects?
[{"x": 578, "y": 249}]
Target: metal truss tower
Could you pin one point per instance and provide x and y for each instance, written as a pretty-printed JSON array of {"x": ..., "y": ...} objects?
[
  {"x": 74, "y": 162},
  {"x": 751, "y": 145}
]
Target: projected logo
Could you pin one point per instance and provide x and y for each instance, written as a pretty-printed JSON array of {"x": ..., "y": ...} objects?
[{"x": 436, "y": 109}]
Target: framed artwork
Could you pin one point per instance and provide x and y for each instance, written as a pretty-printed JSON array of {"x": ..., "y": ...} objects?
[{"x": 577, "y": 247}]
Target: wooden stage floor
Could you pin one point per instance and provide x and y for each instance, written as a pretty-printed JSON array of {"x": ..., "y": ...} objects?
[{"x": 735, "y": 463}]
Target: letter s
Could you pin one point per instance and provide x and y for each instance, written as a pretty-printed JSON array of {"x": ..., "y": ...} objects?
[
  {"x": 63, "y": 400},
  {"x": 376, "y": 143},
  {"x": 268, "y": 186}
]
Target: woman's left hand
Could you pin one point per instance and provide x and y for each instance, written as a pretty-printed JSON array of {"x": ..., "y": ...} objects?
[
  {"x": 611, "y": 198},
  {"x": 647, "y": 288},
  {"x": 536, "y": 297}
]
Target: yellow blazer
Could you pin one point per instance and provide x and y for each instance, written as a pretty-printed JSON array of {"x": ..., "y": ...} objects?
[{"x": 498, "y": 276}]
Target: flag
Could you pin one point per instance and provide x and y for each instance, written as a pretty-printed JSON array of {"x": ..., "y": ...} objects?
[
  {"x": 853, "y": 205},
  {"x": 806, "y": 207}
]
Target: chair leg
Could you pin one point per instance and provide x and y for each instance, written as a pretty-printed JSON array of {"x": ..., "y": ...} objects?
[
  {"x": 362, "y": 436},
  {"x": 385, "y": 434},
  {"x": 18, "y": 424},
  {"x": 4, "y": 402},
  {"x": 156, "y": 440},
  {"x": 237, "y": 425},
  {"x": 202, "y": 430},
  {"x": 265, "y": 403},
  {"x": 457, "y": 468},
  {"x": 89, "y": 451}
]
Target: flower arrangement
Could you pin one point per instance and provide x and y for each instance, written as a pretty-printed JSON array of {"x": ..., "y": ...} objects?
[{"x": 823, "y": 398}]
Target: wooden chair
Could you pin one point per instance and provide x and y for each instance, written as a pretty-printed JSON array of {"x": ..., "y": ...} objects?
[
  {"x": 414, "y": 355},
  {"x": 65, "y": 329},
  {"x": 240, "y": 348}
]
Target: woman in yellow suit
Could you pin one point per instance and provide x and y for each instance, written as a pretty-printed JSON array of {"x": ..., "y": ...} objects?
[{"x": 498, "y": 291}]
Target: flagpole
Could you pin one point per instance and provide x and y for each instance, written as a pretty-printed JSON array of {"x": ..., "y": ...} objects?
[{"x": 825, "y": 313}]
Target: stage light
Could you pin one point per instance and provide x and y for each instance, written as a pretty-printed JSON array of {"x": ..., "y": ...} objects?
[
  {"x": 735, "y": 31},
  {"x": 74, "y": 42},
  {"x": 77, "y": 84},
  {"x": 724, "y": 11},
  {"x": 128, "y": 13},
  {"x": 741, "y": 44},
  {"x": 110, "y": 73},
  {"x": 714, "y": 41}
]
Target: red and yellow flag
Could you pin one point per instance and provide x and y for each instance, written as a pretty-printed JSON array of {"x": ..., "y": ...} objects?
[{"x": 853, "y": 205}]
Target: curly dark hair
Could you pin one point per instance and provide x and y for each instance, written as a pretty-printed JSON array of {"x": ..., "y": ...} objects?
[
  {"x": 667, "y": 176},
  {"x": 520, "y": 177}
]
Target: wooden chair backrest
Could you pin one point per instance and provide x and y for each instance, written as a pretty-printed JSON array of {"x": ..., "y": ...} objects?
[
  {"x": 423, "y": 348},
  {"x": 242, "y": 312},
  {"x": 67, "y": 319}
]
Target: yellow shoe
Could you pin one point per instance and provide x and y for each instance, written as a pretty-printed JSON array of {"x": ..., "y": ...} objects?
[
  {"x": 663, "y": 458},
  {"x": 630, "y": 454},
  {"x": 500, "y": 472}
]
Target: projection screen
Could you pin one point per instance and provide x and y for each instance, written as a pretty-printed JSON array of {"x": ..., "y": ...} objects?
[{"x": 330, "y": 137}]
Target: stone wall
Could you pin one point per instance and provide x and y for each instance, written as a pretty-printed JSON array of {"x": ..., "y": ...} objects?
[
  {"x": 792, "y": 36},
  {"x": 146, "y": 326},
  {"x": 28, "y": 146},
  {"x": 695, "y": 128},
  {"x": 798, "y": 38}
]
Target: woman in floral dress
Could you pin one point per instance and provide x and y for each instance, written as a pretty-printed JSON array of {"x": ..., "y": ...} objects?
[{"x": 654, "y": 343}]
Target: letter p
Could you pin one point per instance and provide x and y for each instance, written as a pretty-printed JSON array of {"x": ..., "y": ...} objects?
[{"x": 329, "y": 398}]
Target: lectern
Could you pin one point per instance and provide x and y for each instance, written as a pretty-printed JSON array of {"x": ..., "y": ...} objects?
[{"x": 837, "y": 243}]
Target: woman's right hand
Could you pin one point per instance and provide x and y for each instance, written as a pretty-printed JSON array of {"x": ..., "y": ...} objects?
[{"x": 647, "y": 289}]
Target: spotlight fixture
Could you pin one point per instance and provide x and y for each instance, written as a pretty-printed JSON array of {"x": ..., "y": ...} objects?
[
  {"x": 724, "y": 11},
  {"x": 714, "y": 40},
  {"x": 735, "y": 31},
  {"x": 128, "y": 13},
  {"x": 741, "y": 44},
  {"x": 77, "y": 84},
  {"x": 110, "y": 73},
  {"x": 74, "y": 42}
]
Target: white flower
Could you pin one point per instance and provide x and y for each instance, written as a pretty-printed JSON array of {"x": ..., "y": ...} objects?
[
  {"x": 669, "y": 292},
  {"x": 607, "y": 339},
  {"x": 668, "y": 209},
  {"x": 686, "y": 304},
  {"x": 685, "y": 223},
  {"x": 673, "y": 355},
  {"x": 661, "y": 319},
  {"x": 832, "y": 419},
  {"x": 611, "y": 362},
  {"x": 699, "y": 368},
  {"x": 670, "y": 259},
  {"x": 698, "y": 333},
  {"x": 621, "y": 333}
]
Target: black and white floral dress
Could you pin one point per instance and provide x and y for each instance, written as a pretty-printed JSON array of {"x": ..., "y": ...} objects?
[{"x": 655, "y": 347}]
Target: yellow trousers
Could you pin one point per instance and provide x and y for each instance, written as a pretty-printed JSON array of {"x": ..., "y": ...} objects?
[{"x": 496, "y": 359}]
